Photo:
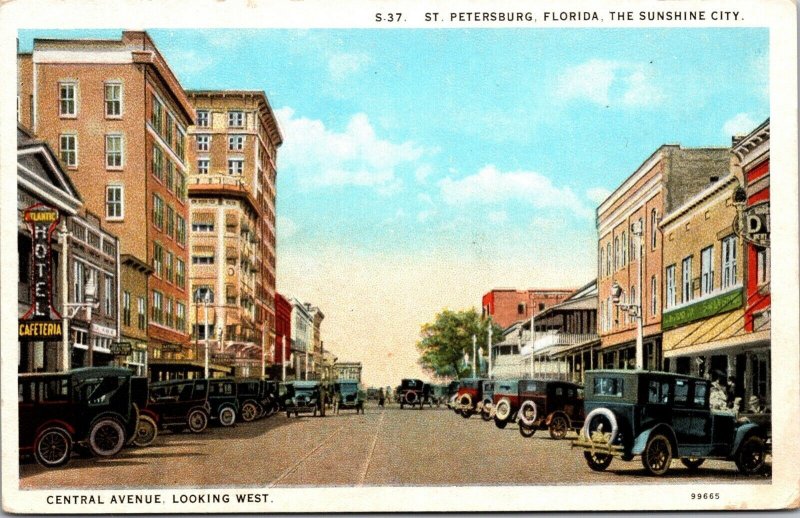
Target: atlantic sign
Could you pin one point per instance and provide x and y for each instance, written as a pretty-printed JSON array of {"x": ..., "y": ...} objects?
[{"x": 41, "y": 322}]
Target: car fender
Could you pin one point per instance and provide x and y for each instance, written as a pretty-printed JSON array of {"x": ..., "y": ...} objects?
[
  {"x": 113, "y": 415},
  {"x": 743, "y": 432},
  {"x": 56, "y": 422},
  {"x": 641, "y": 440},
  {"x": 558, "y": 413},
  {"x": 152, "y": 415}
]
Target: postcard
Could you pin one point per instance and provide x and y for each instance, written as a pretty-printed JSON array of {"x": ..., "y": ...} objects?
[{"x": 306, "y": 256}]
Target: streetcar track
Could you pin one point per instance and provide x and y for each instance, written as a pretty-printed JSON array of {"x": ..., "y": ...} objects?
[
  {"x": 371, "y": 450},
  {"x": 297, "y": 464}
]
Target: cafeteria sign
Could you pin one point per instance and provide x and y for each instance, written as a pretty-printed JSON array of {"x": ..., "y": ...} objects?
[{"x": 42, "y": 321}]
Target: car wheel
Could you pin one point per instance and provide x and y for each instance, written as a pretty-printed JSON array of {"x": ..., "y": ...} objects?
[
  {"x": 500, "y": 424},
  {"x": 288, "y": 414},
  {"x": 227, "y": 416},
  {"x": 657, "y": 455},
  {"x": 597, "y": 461},
  {"x": 146, "y": 431},
  {"x": 197, "y": 420},
  {"x": 603, "y": 416},
  {"x": 526, "y": 431},
  {"x": 249, "y": 412},
  {"x": 53, "y": 447},
  {"x": 466, "y": 414},
  {"x": 751, "y": 455},
  {"x": 106, "y": 437},
  {"x": 502, "y": 410},
  {"x": 486, "y": 414},
  {"x": 692, "y": 462},
  {"x": 528, "y": 413},
  {"x": 558, "y": 427}
]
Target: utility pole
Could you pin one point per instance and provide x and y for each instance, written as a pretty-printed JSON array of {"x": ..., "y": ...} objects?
[
  {"x": 283, "y": 357},
  {"x": 205, "y": 315},
  {"x": 474, "y": 354},
  {"x": 533, "y": 341},
  {"x": 490, "y": 349}
]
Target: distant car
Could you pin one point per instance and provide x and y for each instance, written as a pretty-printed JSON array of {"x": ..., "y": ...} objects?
[
  {"x": 412, "y": 393},
  {"x": 253, "y": 398},
  {"x": 551, "y": 404},
  {"x": 662, "y": 416},
  {"x": 179, "y": 404},
  {"x": 223, "y": 399},
  {"x": 505, "y": 402},
  {"x": 452, "y": 391},
  {"x": 348, "y": 395},
  {"x": 438, "y": 394},
  {"x": 304, "y": 397},
  {"x": 469, "y": 398},
  {"x": 486, "y": 407},
  {"x": 90, "y": 406}
]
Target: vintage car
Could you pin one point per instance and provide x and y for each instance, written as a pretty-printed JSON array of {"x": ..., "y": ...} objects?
[
  {"x": 305, "y": 397},
  {"x": 552, "y": 404},
  {"x": 438, "y": 395},
  {"x": 662, "y": 416},
  {"x": 273, "y": 404},
  {"x": 452, "y": 391},
  {"x": 412, "y": 392},
  {"x": 223, "y": 400},
  {"x": 177, "y": 405},
  {"x": 486, "y": 407},
  {"x": 253, "y": 399},
  {"x": 348, "y": 395},
  {"x": 147, "y": 426},
  {"x": 91, "y": 406},
  {"x": 505, "y": 402},
  {"x": 469, "y": 397}
]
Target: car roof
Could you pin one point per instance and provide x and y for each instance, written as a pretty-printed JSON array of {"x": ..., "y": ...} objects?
[
  {"x": 640, "y": 372},
  {"x": 305, "y": 384},
  {"x": 80, "y": 373}
]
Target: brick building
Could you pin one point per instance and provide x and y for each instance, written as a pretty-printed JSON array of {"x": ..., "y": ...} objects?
[
  {"x": 232, "y": 153},
  {"x": 118, "y": 117},
  {"x": 283, "y": 334},
  {"x": 669, "y": 177},
  {"x": 507, "y": 305}
]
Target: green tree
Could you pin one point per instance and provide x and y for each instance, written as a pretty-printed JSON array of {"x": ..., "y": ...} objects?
[{"x": 445, "y": 341}]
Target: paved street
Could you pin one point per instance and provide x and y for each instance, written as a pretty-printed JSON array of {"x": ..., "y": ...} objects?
[{"x": 389, "y": 447}]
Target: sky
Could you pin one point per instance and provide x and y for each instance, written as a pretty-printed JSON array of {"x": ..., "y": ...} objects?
[{"x": 422, "y": 168}]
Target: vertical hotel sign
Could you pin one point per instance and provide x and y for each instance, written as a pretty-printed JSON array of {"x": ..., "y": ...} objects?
[{"x": 41, "y": 322}]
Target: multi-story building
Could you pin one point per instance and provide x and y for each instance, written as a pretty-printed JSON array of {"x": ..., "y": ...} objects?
[
  {"x": 348, "y": 371},
  {"x": 628, "y": 232},
  {"x": 92, "y": 262},
  {"x": 232, "y": 173},
  {"x": 283, "y": 335},
  {"x": 302, "y": 337},
  {"x": 317, "y": 316},
  {"x": 507, "y": 305},
  {"x": 118, "y": 117}
]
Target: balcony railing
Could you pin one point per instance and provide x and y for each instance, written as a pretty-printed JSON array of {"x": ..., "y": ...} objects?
[{"x": 549, "y": 338}]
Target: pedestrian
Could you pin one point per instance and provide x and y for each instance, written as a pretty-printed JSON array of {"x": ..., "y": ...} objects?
[{"x": 381, "y": 398}]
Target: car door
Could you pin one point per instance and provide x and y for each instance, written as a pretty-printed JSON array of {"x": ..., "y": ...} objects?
[{"x": 690, "y": 416}]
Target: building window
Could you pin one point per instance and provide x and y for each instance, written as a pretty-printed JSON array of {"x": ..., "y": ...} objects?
[
  {"x": 202, "y": 118},
  {"x": 686, "y": 279},
  {"x": 158, "y": 163},
  {"x": 180, "y": 316},
  {"x": 68, "y": 150},
  {"x": 108, "y": 293},
  {"x": 168, "y": 313},
  {"x": 113, "y": 151},
  {"x": 126, "y": 308},
  {"x": 141, "y": 308},
  {"x": 180, "y": 186},
  {"x": 608, "y": 258},
  {"x": 180, "y": 144},
  {"x": 202, "y": 259},
  {"x": 158, "y": 259},
  {"x": 170, "y": 126},
  {"x": 113, "y": 99},
  {"x": 236, "y": 119},
  {"x": 762, "y": 265},
  {"x": 201, "y": 292},
  {"x": 203, "y": 142},
  {"x": 157, "y": 118},
  {"x": 653, "y": 228},
  {"x": 706, "y": 270},
  {"x": 158, "y": 211},
  {"x": 236, "y": 143},
  {"x": 670, "y": 286},
  {"x": 180, "y": 230},
  {"x": 180, "y": 273},
  {"x": 729, "y": 261},
  {"x": 520, "y": 309},
  {"x": 158, "y": 305},
  {"x": 617, "y": 255},
  {"x": 168, "y": 267},
  {"x": 202, "y": 227},
  {"x": 67, "y": 99},
  {"x": 170, "y": 227},
  {"x": 624, "y": 248},
  {"x": 78, "y": 281},
  {"x": 235, "y": 166},
  {"x": 653, "y": 296},
  {"x": 114, "y": 202},
  {"x": 203, "y": 165},
  {"x": 602, "y": 261}
]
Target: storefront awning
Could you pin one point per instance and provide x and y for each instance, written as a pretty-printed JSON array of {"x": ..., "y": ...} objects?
[
  {"x": 743, "y": 341},
  {"x": 576, "y": 348}
]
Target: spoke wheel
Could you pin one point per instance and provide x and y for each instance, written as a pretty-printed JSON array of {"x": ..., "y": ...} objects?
[
  {"x": 657, "y": 455},
  {"x": 597, "y": 461},
  {"x": 198, "y": 420},
  {"x": 53, "y": 447},
  {"x": 558, "y": 427},
  {"x": 751, "y": 455},
  {"x": 106, "y": 437},
  {"x": 146, "y": 431},
  {"x": 249, "y": 412}
]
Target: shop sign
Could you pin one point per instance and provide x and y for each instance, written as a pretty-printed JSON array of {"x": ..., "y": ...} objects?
[
  {"x": 703, "y": 309},
  {"x": 171, "y": 348},
  {"x": 42, "y": 321},
  {"x": 224, "y": 356},
  {"x": 121, "y": 348},
  {"x": 755, "y": 225}
]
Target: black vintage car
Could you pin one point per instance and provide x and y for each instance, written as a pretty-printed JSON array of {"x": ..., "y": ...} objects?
[
  {"x": 147, "y": 427},
  {"x": 253, "y": 399},
  {"x": 412, "y": 392},
  {"x": 223, "y": 400},
  {"x": 348, "y": 395},
  {"x": 304, "y": 397},
  {"x": 549, "y": 404},
  {"x": 662, "y": 416},
  {"x": 452, "y": 390},
  {"x": 180, "y": 404},
  {"x": 91, "y": 406}
]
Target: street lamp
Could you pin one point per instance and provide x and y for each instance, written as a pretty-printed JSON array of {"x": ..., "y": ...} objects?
[{"x": 206, "y": 302}]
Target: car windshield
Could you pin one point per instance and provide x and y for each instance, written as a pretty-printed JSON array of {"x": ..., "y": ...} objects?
[
  {"x": 97, "y": 391},
  {"x": 607, "y": 386},
  {"x": 348, "y": 388},
  {"x": 471, "y": 384},
  {"x": 411, "y": 384}
]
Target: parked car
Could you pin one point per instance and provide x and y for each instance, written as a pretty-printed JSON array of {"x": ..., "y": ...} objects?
[
  {"x": 305, "y": 397},
  {"x": 90, "y": 406},
  {"x": 223, "y": 399},
  {"x": 469, "y": 396},
  {"x": 505, "y": 402},
  {"x": 452, "y": 391},
  {"x": 438, "y": 395},
  {"x": 271, "y": 391},
  {"x": 348, "y": 395},
  {"x": 486, "y": 407},
  {"x": 253, "y": 398},
  {"x": 551, "y": 404},
  {"x": 411, "y": 392},
  {"x": 147, "y": 425},
  {"x": 661, "y": 416},
  {"x": 177, "y": 405}
]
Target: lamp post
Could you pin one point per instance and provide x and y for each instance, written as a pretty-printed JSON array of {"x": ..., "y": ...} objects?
[
  {"x": 490, "y": 349},
  {"x": 474, "y": 354},
  {"x": 283, "y": 358},
  {"x": 206, "y": 302},
  {"x": 90, "y": 294},
  {"x": 533, "y": 339},
  {"x": 634, "y": 309}
]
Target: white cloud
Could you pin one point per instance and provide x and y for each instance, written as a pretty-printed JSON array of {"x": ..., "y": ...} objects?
[
  {"x": 498, "y": 216},
  {"x": 739, "y": 124},
  {"x": 188, "y": 61},
  {"x": 606, "y": 82},
  {"x": 343, "y": 65},
  {"x": 423, "y": 172},
  {"x": 489, "y": 185},
  {"x": 321, "y": 157},
  {"x": 598, "y": 194},
  {"x": 285, "y": 227}
]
